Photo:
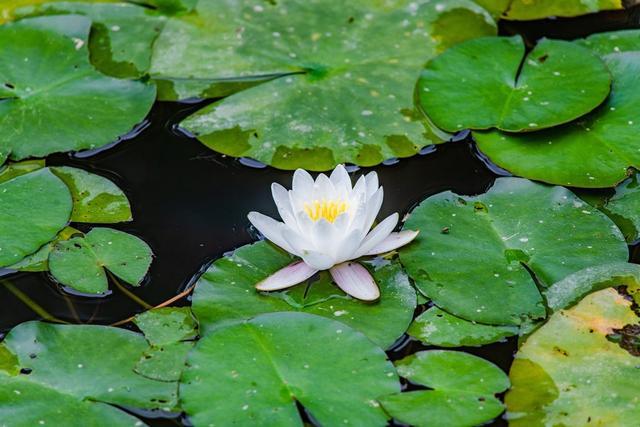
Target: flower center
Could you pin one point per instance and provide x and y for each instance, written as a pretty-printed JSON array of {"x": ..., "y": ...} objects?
[{"x": 325, "y": 209}]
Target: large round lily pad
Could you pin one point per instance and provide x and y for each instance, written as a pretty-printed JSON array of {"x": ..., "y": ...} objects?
[
  {"x": 522, "y": 231},
  {"x": 53, "y": 100},
  {"x": 256, "y": 371},
  {"x": 523, "y": 10},
  {"x": 33, "y": 209},
  {"x": 121, "y": 36},
  {"x": 463, "y": 389},
  {"x": 594, "y": 151},
  {"x": 226, "y": 293},
  {"x": 490, "y": 82},
  {"x": 78, "y": 368},
  {"x": 325, "y": 82},
  {"x": 569, "y": 373},
  {"x": 81, "y": 262}
]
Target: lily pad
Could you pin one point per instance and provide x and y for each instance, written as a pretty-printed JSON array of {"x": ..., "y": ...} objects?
[
  {"x": 50, "y": 92},
  {"x": 613, "y": 42},
  {"x": 33, "y": 209},
  {"x": 324, "y": 82},
  {"x": 226, "y": 293},
  {"x": 574, "y": 287},
  {"x": 524, "y": 233},
  {"x": 96, "y": 199},
  {"x": 39, "y": 261},
  {"x": 437, "y": 327},
  {"x": 523, "y": 10},
  {"x": 569, "y": 373},
  {"x": 490, "y": 82},
  {"x": 463, "y": 389},
  {"x": 593, "y": 152},
  {"x": 81, "y": 262},
  {"x": 623, "y": 207},
  {"x": 168, "y": 331},
  {"x": 78, "y": 368},
  {"x": 121, "y": 36},
  {"x": 279, "y": 359}
]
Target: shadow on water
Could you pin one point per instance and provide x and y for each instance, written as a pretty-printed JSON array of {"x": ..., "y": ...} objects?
[{"x": 190, "y": 204}]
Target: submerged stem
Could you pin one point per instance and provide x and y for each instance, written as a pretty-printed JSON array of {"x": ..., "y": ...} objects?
[
  {"x": 34, "y": 306},
  {"x": 128, "y": 293}
]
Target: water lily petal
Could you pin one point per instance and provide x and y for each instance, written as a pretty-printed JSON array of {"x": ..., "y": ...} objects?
[
  {"x": 341, "y": 180},
  {"x": 324, "y": 189},
  {"x": 283, "y": 203},
  {"x": 299, "y": 243},
  {"x": 270, "y": 229},
  {"x": 373, "y": 208},
  {"x": 318, "y": 260},
  {"x": 302, "y": 182},
  {"x": 372, "y": 183},
  {"x": 324, "y": 237},
  {"x": 291, "y": 275},
  {"x": 356, "y": 281},
  {"x": 347, "y": 250},
  {"x": 378, "y": 234},
  {"x": 393, "y": 241}
]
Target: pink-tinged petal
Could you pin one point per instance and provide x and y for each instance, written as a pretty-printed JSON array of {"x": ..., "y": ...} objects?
[
  {"x": 270, "y": 229},
  {"x": 291, "y": 275},
  {"x": 318, "y": 260},
  {"x": 393, "y": 241},
  {"x": 378, "y": 234},
  {"x": 356, "y": 281}
]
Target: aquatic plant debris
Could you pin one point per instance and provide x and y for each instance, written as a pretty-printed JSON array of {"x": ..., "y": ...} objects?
[{"x": 327, "y": 223}]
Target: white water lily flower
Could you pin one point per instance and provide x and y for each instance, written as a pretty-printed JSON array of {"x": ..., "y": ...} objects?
[{"x": 327, "y": 223}]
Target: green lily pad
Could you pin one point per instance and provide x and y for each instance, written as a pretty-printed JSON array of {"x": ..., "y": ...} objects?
[
  {"x": 226, "y": 293},
  {"x": 96, "y": 199},
  {"x": 321, "y": 83},
  {"x": 518, "y": 229},
  {"x": 463, "y": 389},
  {"x": 12, "y": 170},
  {"x": 50, "y": 93},
  {"x": 623, "y": 207},
  {"x": 121, "y": 36},
  {"x": 486, "y": 83},
  {"x": 168, "y": 330},
  {"x": 279, "y": 359},
  {"x": 523, "y": 10},
  {"x": 613, "y": 42},
  {"x": 80, "y": 262},
  {"x": 574, "y": 287},
  {"x": 39, "y": 261},
  {"x": 437, "y": 327},
  {"x": 569, "y": 373},
  {"x": 78, "y": 368},
  {"x": 33, "y": 209},
  {"x": 594, "y": 151}
]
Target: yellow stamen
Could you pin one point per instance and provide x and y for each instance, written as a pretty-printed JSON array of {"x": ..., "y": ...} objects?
[{"x": 325, "y": 209}]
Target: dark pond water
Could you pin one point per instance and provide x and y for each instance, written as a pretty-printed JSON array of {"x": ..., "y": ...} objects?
[{"x": 190, "y": 204}]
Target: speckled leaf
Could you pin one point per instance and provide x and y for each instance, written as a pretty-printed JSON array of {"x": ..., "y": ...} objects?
[
  {"x": 226, "y": 293},
  {"x": 39, "y": 261},
  {"x": 33, "y": 209},
  {"x": 80, "y": 262},
  {"x": 167, "y": 325},
  {"x": 593, "y": 152},
  {"x": 121, "y": 36},
  {"x": 523, "y": 10},
  {"x": 96, "y": 199},
  {"x": 50, "y": 93},
  {"x": 7, "y": 11},
  {"x": 516, "y": 227},
  {"x": 279, "y": 359},
  {"x": 12, "y": 170},
  {"x": 463, "y": 389},
  {"x": 571, "y": 289},
  {"x": 437, "y": 327},
  {"x": 613, "y": 42},
  {"x": 78, "y": 368},
  {"x": 481, "y": 84},
  {"x": 623, "y": 207},
  {"x": 321, "y": 82},
  {"x": 164, "y": 363},
  {"x": 569, "y": 373}
]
